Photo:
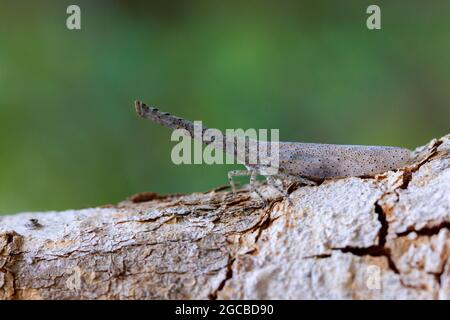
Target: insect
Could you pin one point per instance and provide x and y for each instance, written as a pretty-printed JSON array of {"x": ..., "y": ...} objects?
[
  {"x": 306, "y": 163},
  {"x": 33, "y": 224}
]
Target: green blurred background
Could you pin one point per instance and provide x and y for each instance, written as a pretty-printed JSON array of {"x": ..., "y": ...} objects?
[{"x": 69, "y": 137}]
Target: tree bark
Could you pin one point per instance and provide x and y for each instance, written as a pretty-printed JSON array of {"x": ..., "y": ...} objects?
[{"x": 379, "y": 237}]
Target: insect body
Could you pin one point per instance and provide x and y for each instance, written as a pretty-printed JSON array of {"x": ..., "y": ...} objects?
[
  {"x": 321, "y": 161},
  {"x": 301, "y": 162}
]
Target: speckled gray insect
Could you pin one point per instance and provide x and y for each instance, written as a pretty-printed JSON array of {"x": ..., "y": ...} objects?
[{"x": 306, "y": 163}]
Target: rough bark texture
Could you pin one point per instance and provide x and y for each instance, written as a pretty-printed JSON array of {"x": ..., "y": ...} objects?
[{"x": 357, "y": 238}]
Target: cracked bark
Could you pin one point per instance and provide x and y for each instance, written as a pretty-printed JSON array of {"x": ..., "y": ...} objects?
[{"x": 376, "y": 237}]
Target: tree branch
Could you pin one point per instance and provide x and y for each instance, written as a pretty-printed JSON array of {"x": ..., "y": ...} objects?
[{"x": 375, "y": 238}]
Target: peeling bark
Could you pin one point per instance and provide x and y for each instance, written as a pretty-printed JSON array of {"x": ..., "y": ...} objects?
[{"x": 381, "y": 237}]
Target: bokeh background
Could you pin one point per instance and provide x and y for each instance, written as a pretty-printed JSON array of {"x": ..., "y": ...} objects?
[{"x": 69, "y": 137}]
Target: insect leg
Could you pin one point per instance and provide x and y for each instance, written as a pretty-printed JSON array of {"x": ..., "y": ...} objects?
[
  {"x": 299, "y": 179},
  {"x": 253, "y": 176},
  {"x": 236, "y": 173},
  {"x": 273, "y": 183}
]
